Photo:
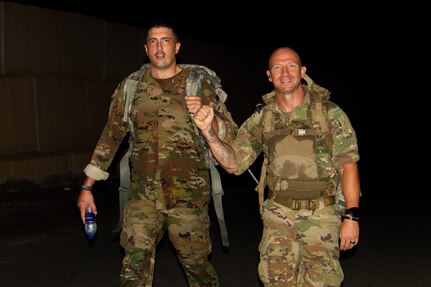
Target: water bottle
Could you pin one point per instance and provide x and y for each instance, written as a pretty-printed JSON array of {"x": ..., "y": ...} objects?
[{"x": 90, "y": 223}]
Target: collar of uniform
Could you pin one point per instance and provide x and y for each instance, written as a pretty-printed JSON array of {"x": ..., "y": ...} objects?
[{"x": 305, "y": 102}]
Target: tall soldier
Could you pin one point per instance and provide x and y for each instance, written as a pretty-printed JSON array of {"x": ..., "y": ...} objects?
[{"x": 169, "y": 187}]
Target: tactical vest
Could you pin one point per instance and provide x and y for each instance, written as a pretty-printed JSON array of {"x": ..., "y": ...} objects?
[
  {"x": 290, "y": 166},
  {"x": 198, "y": 74}
]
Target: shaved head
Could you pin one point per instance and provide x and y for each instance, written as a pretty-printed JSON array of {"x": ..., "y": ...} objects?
[{"x": 281, "y": 53}]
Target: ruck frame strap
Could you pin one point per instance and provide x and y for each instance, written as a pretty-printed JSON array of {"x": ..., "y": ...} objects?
[{"x": 217, "y": 194}]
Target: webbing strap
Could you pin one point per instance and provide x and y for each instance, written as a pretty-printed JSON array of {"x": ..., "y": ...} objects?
[
  {"x": 321, "y": 118},
  {"x": 124, "y": 186},
  {"x": 129, "y": 91},
  {"x": 193, "y": 87},
  {"x": 310, "y": 204},
  {"x": 262, "y": 181},
  {"x": 217, "y": 193},
  {"x": 267, "y": 125}
]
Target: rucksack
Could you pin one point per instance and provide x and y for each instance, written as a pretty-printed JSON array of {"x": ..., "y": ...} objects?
[
  {"x": 193, "y": 85},
  {"x": 319, "y": 115}
]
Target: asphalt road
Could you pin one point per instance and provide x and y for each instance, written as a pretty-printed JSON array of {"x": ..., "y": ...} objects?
[{"x": 42, "y": 241}]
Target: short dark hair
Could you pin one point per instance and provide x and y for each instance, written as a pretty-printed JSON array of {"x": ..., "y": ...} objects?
[{"x": 161, "y": 24}]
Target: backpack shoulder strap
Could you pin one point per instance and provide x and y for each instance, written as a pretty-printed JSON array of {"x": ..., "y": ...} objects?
[
  {"x": 129, "y": 90},
  {"x": 268, "y": 123},
  {"x": 198, "y": 74},
  {"x": 319, "y": 116}
]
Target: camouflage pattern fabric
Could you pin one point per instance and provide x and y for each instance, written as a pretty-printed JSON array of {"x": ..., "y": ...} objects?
[
  {"x": 303, "y": 239},
  {"x": 168, "y": 176},
  {"x": 344, "y": 149},
  {"x": 188, "y": 230},
  {"x": 299, "y": 248},
  {"x": 249, "y": 142}
]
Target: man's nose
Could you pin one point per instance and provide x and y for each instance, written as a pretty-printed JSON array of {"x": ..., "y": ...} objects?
[{"x": 159, "y": 45}]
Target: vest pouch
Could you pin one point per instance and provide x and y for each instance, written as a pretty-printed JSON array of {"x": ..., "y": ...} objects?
[
  {"x": 293, "y": 170},
  {"x": 293, "y": 157},
  {"x": 298, "y": 189}
]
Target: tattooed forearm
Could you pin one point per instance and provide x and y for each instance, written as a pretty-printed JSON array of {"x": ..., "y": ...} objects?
[
  {"x": 211, "y": 136},
  {"x": 211, "y": 132},
  {"x": 223, "y": 152}
]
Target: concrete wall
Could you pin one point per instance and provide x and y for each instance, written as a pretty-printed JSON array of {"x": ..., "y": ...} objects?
[{"x": 58, "y": 71}]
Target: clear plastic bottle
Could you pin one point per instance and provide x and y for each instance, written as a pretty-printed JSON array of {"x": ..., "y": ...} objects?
[{"x": 90, "y": 223}]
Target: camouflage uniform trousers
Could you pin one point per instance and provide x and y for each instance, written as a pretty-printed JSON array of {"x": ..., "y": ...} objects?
[
  {"x": 299, "y": 248},
  {"x": 188, "y": 230}
]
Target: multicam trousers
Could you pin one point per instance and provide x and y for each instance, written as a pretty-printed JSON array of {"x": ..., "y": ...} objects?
[
  {"x": 188, "y": 230},
  {"x": 299, "y": 248}
]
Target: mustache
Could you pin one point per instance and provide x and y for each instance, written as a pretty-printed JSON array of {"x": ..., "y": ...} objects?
[{"x": 160, "y": 53}]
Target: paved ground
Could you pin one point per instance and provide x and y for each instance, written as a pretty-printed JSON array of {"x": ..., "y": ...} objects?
[{"x": 42, "y": 241}]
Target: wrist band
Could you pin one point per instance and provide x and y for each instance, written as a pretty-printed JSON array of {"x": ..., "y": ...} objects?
[
  {"x": 86, "y": 187},
  {"x": 353, "y": 211},
  {"x": 350, "y": 218}
]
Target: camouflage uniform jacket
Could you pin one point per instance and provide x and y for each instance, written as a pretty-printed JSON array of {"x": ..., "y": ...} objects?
[
  {"x": 249, "y": 142},
  {"x": 167, "y": 148}
]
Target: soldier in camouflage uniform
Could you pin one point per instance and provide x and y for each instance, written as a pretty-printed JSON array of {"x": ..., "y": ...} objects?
[
  {"x": 311, "y": 151},
  {"x": 170, "y": 188}
]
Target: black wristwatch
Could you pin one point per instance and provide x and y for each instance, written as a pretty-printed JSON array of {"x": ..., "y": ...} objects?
[
  {"x": 353, "y": 211},
  {"x": 351, "y": 214}
]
